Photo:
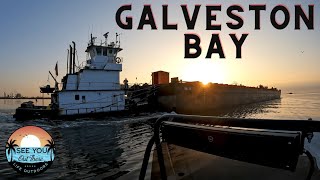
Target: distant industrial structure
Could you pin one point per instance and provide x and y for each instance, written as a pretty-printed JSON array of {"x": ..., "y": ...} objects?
[
  {"x": 11, "y": 95},
  {"x": 19, "y": 96}
]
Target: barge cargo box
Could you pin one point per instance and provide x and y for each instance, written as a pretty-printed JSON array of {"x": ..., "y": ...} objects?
[{"x": 195, "y": 97}]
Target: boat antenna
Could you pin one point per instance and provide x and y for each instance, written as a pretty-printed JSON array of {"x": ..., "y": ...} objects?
[
  {"x": 117, "y": 38},
  {"x": 106, "y": 38},
  {"x": 91, "y": 39},
  {"x": 74, "y": 57},
  {"x": 70, "y": 59}
]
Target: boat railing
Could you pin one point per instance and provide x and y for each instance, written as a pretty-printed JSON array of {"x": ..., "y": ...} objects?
[
  {"x": 79, "y": 111},
  {"x": 81, "y": 65},
  {"x": 106, "y": 85},
  {"x": 100, "y": 85}
]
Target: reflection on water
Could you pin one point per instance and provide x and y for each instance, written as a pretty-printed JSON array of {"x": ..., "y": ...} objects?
[
  {"x": 106, "y": 148},
  {"x": 290, "y": 107},
  {"x": 114, "y": 147}
]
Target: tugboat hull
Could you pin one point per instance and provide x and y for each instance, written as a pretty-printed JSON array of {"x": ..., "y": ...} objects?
[
  {"x": 36, "y": 112},
  {"x": 42, "y": 112}
]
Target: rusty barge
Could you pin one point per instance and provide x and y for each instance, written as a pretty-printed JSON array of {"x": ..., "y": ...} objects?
[{"x": 197, "y": 98}]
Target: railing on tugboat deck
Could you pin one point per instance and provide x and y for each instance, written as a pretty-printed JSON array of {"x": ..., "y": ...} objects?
[
  {"x": 93, "y": 110},
  {"x": 115, "y": 86},
  {"x": 81, "y": 65}
]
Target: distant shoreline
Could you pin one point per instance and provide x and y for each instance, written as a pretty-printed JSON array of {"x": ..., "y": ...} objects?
[{"x": 25, "y": 98}]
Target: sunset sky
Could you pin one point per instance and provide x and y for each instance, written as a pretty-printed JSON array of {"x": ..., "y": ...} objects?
[{"x": 35, "y": 34}]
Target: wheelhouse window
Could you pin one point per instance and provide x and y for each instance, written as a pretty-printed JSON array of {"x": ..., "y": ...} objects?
[
  {"x": 99, "y": 51},
  {"x": 105, "y": 51},
  {"x": 110, "y": 52},
  {"x": 76, "y": 97},
  {"x": 92, "y": 54}
]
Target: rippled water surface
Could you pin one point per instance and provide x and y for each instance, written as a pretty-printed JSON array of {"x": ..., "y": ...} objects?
[{"x": 113, "y": 147}]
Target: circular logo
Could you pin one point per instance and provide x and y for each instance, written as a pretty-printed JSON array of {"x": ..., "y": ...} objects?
[{"x": 30, "y": 150}]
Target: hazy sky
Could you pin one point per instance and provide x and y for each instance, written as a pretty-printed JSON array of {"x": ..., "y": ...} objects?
[{"x": 35, "y": 34}]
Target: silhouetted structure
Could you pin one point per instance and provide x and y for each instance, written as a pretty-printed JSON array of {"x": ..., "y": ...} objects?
[{"x": 160, "y": 77}]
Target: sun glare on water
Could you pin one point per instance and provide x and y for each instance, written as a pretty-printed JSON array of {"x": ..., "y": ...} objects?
[
  {"x": 205, "y": 71},
  {"x": 30, "y": 141}
]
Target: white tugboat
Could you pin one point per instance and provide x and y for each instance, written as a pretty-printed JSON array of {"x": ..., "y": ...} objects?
[
  {"x": 92, "y": 88},
  {"x": 95, "y": 87}
]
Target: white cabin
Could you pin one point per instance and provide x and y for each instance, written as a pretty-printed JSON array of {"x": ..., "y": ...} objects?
[{"x": 95, "y": 87}]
